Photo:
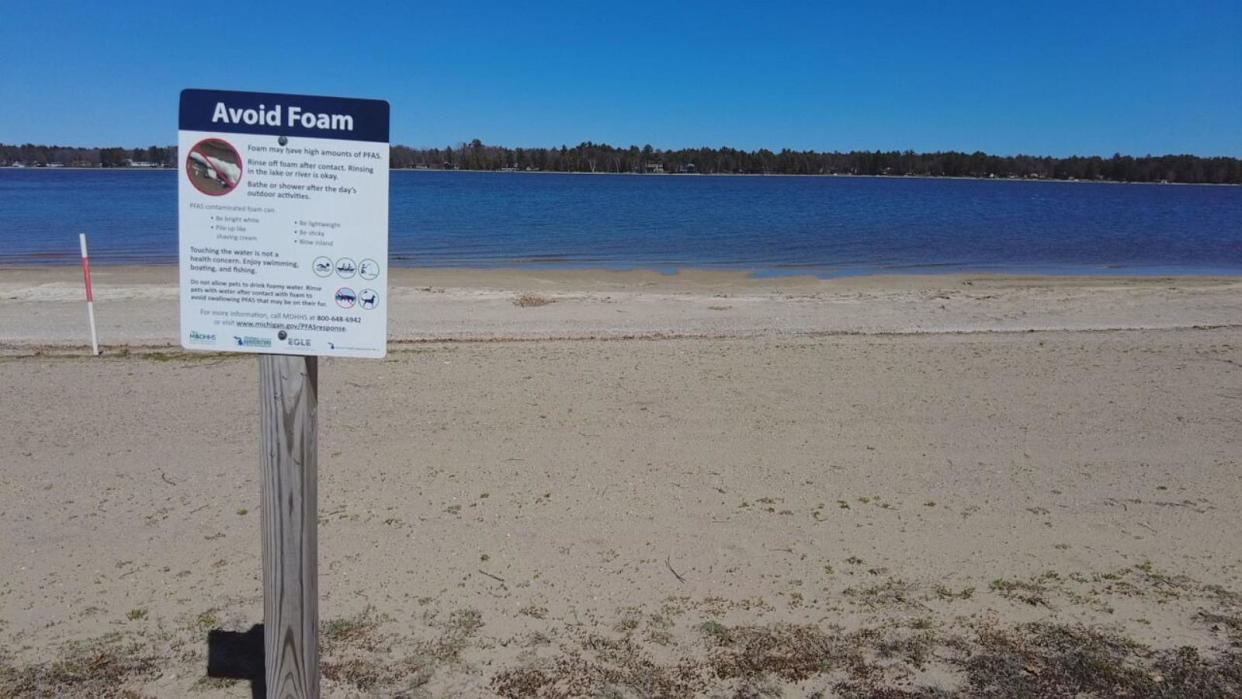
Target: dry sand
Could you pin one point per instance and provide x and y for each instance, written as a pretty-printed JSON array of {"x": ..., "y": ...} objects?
[{"x": 735, "y": 487}]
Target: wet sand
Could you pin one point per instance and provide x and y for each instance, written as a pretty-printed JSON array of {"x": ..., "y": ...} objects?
[{"x": 137, "y": 306}]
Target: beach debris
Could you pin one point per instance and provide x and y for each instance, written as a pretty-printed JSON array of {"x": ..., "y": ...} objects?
[
  {"x": 532, "y": 301},
  {"x": 668, "y": 562},
  {"x": 497, "y": 578}
]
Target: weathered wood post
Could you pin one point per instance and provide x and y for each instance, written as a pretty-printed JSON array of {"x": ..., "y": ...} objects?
[
  {"x": 283, "y": 251},
  {"x": 288, "y": 407}
]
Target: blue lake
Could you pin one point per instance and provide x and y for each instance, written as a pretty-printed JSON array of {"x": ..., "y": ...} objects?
[{"x": 772, "y": 225}]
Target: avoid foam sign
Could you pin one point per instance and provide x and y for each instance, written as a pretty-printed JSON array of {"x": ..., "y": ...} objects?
[{"x": 283, "y": 223}]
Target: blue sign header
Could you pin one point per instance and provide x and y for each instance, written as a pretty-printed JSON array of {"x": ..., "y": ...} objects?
[{"x": 284, "y": 115}]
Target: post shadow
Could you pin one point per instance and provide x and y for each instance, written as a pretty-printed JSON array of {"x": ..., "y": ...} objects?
[{"x": 238, "y": 655}]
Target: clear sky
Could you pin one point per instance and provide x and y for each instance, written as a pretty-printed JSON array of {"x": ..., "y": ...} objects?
[{"x": 1053, "y": 78}]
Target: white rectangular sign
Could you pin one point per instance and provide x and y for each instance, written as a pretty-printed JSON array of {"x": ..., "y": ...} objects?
[{"x": 283, "y": 223}]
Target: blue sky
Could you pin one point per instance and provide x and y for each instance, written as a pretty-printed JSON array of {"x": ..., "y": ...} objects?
[{"x": 1005, "y": 77}]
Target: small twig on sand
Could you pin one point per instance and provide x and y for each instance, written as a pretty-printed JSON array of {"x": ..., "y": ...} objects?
[
  {"x": 493, "y": 577},
  {"x": 677, "y": 575},
  {"x": 166, "y": 479}
]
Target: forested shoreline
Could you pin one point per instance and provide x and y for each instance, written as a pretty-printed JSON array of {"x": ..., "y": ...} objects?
[{"x": 602, "y": 158}]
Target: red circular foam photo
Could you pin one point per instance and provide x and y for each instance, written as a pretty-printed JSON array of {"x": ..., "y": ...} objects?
[{"x": 214, "y": 167}]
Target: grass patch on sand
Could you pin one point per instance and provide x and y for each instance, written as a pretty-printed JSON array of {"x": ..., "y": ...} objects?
[
  {"x": 1030, "y": 592},
  {"x": 99, "y": 668},
  {"x": 532, "y": 301},
  {"x": 357, "y": 632},
  {"x": 379, "y": 677},
  {"x": 907, "y": 646},
  {"x": 353, "y": 650},
  {"x": 1054, "y": 660},
  {"x": 350, "y": 647},
  {"x": 207, "y": 621},
  {"x": 983, "y": 660},
  {"x": 455, "y": 635},
  {"x": 891, "y": 592}
]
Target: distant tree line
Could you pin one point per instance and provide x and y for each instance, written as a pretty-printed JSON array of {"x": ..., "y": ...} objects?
[
  {"x": 598, "y": 157},
  {"x": 31, "y": 155}
]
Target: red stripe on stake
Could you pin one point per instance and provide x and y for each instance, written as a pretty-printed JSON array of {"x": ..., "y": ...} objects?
[
  {"x": 90, "y": 293},
  {"x": 86, "y": 276}
]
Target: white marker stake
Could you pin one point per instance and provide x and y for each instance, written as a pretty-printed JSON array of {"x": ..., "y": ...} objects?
[{"x": 90, "y": 294}]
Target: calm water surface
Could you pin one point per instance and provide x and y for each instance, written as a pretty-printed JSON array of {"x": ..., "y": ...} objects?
[{"x": 772, "y": 225}]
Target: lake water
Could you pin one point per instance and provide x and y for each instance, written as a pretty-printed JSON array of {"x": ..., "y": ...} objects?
[{"x": 772, "y": 225}]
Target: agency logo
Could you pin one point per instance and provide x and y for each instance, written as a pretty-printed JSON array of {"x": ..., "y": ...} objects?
[
  {"x": 249, "y": 341},
  {"x": 198, "y": 338}
]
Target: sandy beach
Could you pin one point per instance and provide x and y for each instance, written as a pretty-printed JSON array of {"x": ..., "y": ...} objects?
[
  {"x": 628, "y": 484},
  {"x": 137, "y": 306}
]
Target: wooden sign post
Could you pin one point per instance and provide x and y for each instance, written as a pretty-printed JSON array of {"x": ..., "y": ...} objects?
[
  {"x": 283, "y": 239},
  {"x": 288, "y": 407}
]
